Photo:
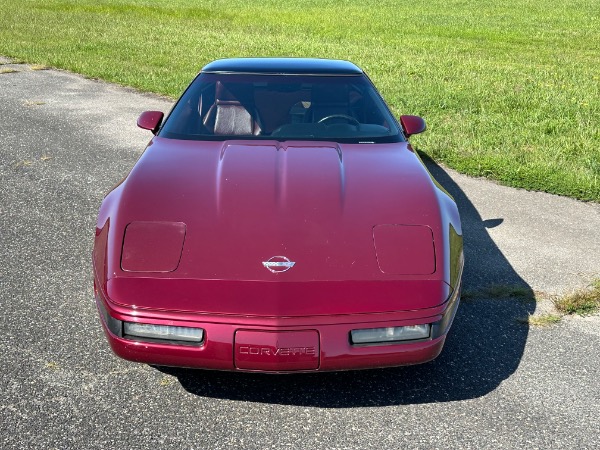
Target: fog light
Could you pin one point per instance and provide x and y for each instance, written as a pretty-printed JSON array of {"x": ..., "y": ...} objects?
[
  {"x": 390, "y": 334},
  {"x": 163, "y": 332}
]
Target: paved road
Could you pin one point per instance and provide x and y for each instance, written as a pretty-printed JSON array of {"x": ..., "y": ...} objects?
[{"x": 65, "y": 140}]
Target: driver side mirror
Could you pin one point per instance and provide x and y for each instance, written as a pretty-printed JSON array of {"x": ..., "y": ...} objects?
[
  {"x": 150, "y": 120},
  {"x": 412, "y": 125}
]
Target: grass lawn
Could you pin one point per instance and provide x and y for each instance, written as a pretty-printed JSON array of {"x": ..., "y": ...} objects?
[{"x": 510, "y": 90}]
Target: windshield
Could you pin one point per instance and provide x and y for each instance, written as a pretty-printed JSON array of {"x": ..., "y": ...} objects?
[{"x": 281, "y": 107}]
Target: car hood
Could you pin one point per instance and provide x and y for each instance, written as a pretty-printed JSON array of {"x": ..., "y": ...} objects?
[{"x": 228, "y": 207}]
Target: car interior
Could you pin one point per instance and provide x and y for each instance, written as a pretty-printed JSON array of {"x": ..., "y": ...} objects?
[{"x": 277, "y": 109}]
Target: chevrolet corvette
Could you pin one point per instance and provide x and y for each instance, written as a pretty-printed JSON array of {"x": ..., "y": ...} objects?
[{"x": 278, "y": 221}]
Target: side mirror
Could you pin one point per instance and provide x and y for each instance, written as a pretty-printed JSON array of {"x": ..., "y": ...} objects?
[
  {"x": 150, "y": 120},
  {"x": 412, "y": 125}
]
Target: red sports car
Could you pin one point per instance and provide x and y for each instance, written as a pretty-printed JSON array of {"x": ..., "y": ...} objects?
[{"x": 278, "y": 221}]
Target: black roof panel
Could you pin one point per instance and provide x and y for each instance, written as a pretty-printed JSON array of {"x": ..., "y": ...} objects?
[{"x": 283, "y": 66}]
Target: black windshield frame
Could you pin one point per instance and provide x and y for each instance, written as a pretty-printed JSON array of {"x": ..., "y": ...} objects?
[{"x": 283, "y": 108}]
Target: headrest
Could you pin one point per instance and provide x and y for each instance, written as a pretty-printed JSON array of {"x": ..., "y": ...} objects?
[{"x": 222, "y": 93}]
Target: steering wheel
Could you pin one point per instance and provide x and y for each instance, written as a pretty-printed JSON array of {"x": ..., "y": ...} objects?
[{"x": 349, "y": 119}]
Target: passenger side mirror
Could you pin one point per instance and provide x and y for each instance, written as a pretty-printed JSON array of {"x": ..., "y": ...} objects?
[
  {"x": 150, "y": 120},
  {"x": 412, "y": 125}
]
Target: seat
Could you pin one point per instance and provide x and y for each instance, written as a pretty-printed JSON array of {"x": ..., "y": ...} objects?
[{"x": 230, "y": 115}]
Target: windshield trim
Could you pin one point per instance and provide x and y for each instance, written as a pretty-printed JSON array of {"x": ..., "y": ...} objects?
[{"x": 197, "y": 88}]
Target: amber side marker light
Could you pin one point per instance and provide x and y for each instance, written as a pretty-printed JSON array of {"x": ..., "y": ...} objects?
[{"x": 390, "y": 334}]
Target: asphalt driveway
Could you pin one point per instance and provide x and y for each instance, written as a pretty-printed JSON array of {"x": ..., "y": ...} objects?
[{"x": 65, "y": 140}]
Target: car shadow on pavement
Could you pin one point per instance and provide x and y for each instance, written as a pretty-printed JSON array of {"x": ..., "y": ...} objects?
[{"x": 484, "y": 347}]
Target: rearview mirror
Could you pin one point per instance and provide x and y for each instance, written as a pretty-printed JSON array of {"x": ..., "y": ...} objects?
[
  {"x": 150, "y": 120},
  {"x": 412, "y": 125}
]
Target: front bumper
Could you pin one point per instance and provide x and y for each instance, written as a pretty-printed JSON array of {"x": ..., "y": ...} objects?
[{"x": 329, "y": 342}]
